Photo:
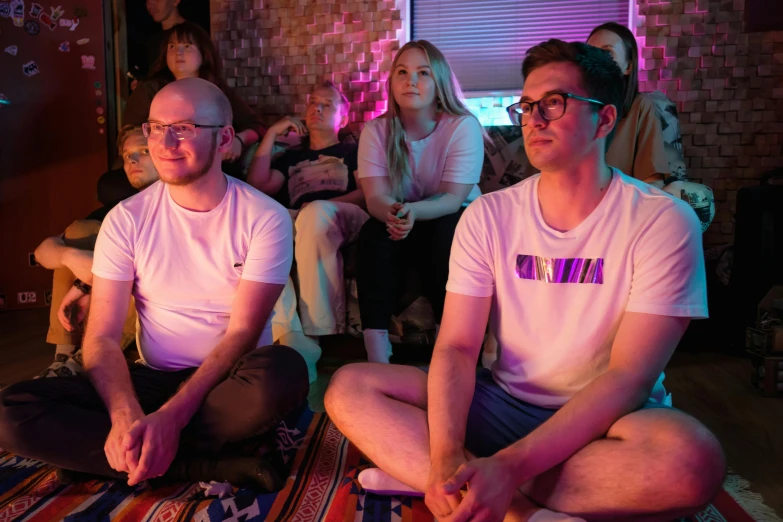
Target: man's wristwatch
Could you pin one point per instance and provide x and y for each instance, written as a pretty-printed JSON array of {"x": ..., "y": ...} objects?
[{"x": 81, "y": 285}]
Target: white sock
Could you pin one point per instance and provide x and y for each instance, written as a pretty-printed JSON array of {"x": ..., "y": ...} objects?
[
  {"x": 377, "y": 344},
  {"x": 67, "y": 349},
  {"x": 377, "y": 481},
  {"x": 544, "y": 515}
]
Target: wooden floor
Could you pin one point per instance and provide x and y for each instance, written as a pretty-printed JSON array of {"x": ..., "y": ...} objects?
[{"x": 714, "y": 388}]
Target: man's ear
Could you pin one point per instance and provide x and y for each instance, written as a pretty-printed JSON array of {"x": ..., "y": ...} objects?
[
  {"x": 607, "y": 120},
  {"x": 343, "y": 121},
  {"x": 225, "y": 138}
]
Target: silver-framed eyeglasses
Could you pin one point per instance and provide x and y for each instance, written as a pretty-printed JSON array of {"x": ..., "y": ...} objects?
[
  {"x": 551, "y": 107},
  {"x": 181, "y": 131}
]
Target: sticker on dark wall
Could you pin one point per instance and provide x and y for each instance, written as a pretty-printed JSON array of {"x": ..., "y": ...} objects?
[
  {"x": 67, "y": 22},
  {"x": 57, "y": 12},
  {"x": 30, "y": 69},
  {"x": 17, "y": 12},
  {"x": 5, "y": 9},
  {"x": 48, "y": 296},
  {"x": 48, "y": 22},
  {"x": 101, "y": 120},
  {"x": 31, "y": 260},
  {"x": 88, "y": 62},
  {"x": 83, "y": 41},
  {"x": 32, "y": 28},
  {"x": 36, "y": 10},
  {"x": 100, "y": 131},
  {"x": 64, "y": 47},
  {"x": 2, "y": 300},
  {"x": 27, "y": 297},
  {"x": 99, "y": 110},
  {"x": 12, "y": 50},
  {"x": 98, "y": 93},
  {"x": 97, "y": 85},
  {"x": 80, "y": 12}
]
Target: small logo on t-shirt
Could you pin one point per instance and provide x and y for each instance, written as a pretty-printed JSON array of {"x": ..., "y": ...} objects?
[
  {"x": 237, "y": 265},
  {"x": 555, "y": 270}
]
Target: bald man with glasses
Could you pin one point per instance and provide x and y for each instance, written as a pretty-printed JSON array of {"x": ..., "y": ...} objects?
[{"x": 205, "y": 256}]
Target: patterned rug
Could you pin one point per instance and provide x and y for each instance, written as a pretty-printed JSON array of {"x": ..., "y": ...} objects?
[{"x": 321, "y": 487}]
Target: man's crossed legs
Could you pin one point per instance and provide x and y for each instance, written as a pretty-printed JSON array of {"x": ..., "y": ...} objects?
[
  {"x": 654, "y": 464},
  {"x": 64, "y": 422}
]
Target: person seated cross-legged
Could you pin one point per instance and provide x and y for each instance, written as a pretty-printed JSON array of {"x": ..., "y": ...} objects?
[
  {"x": 317, "y": 182},
  {"x": 573, "y": 419},
  {"x": 205, "y": 256}
]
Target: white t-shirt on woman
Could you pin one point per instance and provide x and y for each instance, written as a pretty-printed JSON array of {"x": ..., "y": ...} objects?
[{"x": 453, "y": 152}]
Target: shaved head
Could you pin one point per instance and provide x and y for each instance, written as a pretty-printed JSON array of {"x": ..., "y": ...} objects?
[
  {"x": 179, "y": 159},
  {"x": 206, "y": 98}
]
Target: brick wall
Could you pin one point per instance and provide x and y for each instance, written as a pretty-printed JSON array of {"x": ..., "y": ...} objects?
[
  {"x": 275, "y": 51},
  {"x": 728, "y": 85}
]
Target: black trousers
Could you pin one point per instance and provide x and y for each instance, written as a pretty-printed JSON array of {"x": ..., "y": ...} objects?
[
  {"x": 63, "y": 421},
  {"x": 383, "y": 263}
]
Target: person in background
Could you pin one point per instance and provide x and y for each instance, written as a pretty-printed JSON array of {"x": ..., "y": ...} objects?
[
  {"x": 143, "y": 47},
  {"x": 188, "y": 52},
  {"x": 573, "y": 422},
  {"x": 317, "y": 182},
  {"x": 205, "y": 256},
  {"x": 637, "y": 148},
  {"x": 419, "y": 165},
  {"x": 70, "y": 256}
]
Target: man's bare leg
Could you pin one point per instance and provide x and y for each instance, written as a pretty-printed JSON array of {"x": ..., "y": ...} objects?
[
  {"x": 382, "y": 409},
  {"x": 655, "y": 464}
]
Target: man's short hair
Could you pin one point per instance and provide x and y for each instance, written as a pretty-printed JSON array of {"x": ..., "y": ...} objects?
[
  {"x": 345, "y": 105},
  {"x": 126, "y": 132},
  {"x": 602, "y": 78}
]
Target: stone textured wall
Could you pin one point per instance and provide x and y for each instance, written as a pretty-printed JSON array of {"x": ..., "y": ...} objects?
[
  {"x": 275, "y": 51},
  {"x": 728, "y": 85},
  {"x": 727, "y": 82}
]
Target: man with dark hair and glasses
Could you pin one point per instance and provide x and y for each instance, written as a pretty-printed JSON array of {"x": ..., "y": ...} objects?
[
  {"x": 205, "y": 256},
  {"x": 566, "y": 267}
]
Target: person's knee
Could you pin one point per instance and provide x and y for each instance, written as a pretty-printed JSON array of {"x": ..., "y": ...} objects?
[
  {"x": 82, "y": 228},
  {"x": 279, "y": 367},
  {"x": 316, "y": 220},
  {"x": 344, "y": 388},
  {"x": 692, "y": 461}
]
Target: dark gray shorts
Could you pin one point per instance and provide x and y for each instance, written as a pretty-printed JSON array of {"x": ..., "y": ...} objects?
[{"x": 497, "y": 420}]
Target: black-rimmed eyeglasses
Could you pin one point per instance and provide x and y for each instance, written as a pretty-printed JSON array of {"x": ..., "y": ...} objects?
[
  {"x": 550, "y": 107},
  {"x": 181, "y": 131}
]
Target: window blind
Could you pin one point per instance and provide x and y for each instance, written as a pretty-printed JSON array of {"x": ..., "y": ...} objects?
[{"x": 485, "y": 40}]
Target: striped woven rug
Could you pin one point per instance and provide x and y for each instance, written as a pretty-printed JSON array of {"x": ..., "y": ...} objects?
[{"x": 321, "y": 487}]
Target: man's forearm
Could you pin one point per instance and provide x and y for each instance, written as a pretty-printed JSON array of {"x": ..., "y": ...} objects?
[
  {"x": 259, "y": 173},
  {"x": 49, "y": 254},
  {"x": 435, "y": 206},
  {"x": 450, "y": 385},
  {"x": 586, "y": 417},
  {"x": 184, "y": 404},
  {"x": 356, "y": 197},
  {"x": 79, "y": 262},
  {"x": 108, "y": 371}
]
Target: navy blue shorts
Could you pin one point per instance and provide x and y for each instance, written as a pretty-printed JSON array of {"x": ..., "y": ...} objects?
[{"x": 497, "y": 420}]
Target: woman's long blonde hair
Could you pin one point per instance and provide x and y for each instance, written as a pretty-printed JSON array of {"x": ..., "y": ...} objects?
[{"x": 448, "y": 99}]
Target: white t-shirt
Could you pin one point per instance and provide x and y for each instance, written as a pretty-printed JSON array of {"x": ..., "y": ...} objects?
[
  {"x": 186, "y": 266},
  {"x": 453, "y": 152},
  {"x": 558, "y": 297}
]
